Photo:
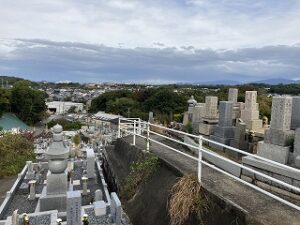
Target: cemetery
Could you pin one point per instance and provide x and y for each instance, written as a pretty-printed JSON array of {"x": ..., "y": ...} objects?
[
  {"x": 82, "y": 183},
  {"x": 60, "y": 189},
  {"x": 239, "y": 125}
]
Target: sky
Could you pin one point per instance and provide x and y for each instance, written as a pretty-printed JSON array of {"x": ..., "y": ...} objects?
[{"x": 150, "y": 41}]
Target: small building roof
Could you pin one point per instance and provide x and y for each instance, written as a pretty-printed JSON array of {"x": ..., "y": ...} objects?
[{"x": 9, "y": 121}]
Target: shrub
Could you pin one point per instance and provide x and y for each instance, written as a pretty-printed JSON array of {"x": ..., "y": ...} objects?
[{"x": 15, "y": 150}]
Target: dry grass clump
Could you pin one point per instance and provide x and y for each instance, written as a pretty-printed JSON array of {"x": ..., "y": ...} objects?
[{"x": 186, "y": 198}]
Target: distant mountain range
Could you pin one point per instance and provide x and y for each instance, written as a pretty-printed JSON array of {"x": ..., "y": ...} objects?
[{"x": 272, "y": 81}]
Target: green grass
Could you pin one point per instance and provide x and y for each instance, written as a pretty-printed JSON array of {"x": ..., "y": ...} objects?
[{"x": 139, "y": 174}]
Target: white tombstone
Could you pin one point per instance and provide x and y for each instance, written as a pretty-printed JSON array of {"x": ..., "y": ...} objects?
[
  {"x": 116, "y": 210},
  {"x": 100, "y": 208},
  {"x": 32, "y": 189},
  {"x": 90, "y": 165},
  {"x": 84, "y": 185},
  {"x": 98, "y": 195}
]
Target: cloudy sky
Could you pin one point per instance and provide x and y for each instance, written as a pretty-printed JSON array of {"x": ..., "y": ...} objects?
[{"x": 159, "y": 41}]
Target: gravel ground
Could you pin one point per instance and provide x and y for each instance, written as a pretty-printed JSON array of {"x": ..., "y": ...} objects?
[
  {"x": 96, "y": 220},
  {"x": 40, "y": 220}
]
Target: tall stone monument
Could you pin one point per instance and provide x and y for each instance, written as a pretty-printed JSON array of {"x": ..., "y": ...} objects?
[
  {"x": 240, "y": 140},
  {"x": 295, "y": 113},
  {"x": 54, "y": 194},
  {"x": 224, "y": 131},
  {"x": 233, "y": 97},
  {"x": 194, "y": 114},
  {"x": 276, "y": 144},
  {"x": 250, "y": 112},
  {"x": 210, "y": 119},
  {"x": 297, "y": 148}
]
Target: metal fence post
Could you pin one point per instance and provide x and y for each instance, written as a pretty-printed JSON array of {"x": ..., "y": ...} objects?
[
  {"x": 148, "y": 136},
  {"x": 200, "y": 158},
  {"x": 119, "y": 127},
  {"x": 134, "y": 131},
  {"x": 140, "y": 127}
]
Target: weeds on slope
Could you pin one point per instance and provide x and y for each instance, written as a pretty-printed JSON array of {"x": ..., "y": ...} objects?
[{"x": 186, "y": 199}]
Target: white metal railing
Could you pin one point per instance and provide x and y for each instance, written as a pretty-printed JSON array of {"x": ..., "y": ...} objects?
[{"x": 135, "y": 127}]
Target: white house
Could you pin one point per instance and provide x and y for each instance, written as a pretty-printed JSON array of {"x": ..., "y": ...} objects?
[{"x": 63, "y": 107}]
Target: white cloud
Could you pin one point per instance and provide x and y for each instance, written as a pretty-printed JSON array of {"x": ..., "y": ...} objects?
[{"x": 203, "y": 24}]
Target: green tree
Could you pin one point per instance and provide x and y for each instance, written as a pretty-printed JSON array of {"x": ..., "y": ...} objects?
[
  {"x": 121, "y": 106},
  {"x": 100, "y": 103},
  {"x": 4, "y": 100},
  {"x": 27, "y": 103},
  {"x": 15, "y": 150},
  {"x": 66, "y": 124},
  {"x": 76, "y": 139}
]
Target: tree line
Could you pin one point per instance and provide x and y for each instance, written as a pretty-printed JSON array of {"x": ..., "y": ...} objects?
[
  {"x": 170, "y": 102},
  {"x": 24, "y": 101}
]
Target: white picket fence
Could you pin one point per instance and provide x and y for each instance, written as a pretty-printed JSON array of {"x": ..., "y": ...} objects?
[{"x": 138, "y": 128}]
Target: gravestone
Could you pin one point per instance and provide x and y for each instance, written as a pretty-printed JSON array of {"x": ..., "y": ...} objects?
[
  {"x": 233, "y": 97},
  {"x": 32, "y": 190},
  {"x": 210, "y": 119},
  {"x": 84, "y": 185},
  {"x": 297, "y": 148},
  {"x": 250, "y": 112},
  {"x": 240, "y": 140},
  {"x": 224, "y": 131},
  {"x": 151, "y": 117},
  {"x": 90, "y": 164},
  {"x": 98, "y": 195},
  {"x": 276, "y": 144},
  {"x": 295, "y": 123},
  {"x": 100, "y": 208},
  {"x": 115, "y": 209},
  {"x": 15, "y": 218},
  {"x": 30, "y": 171},
  {"x": 74, "y": 208},
  {"x": 54, "y": 194},
  {"x": 194, "y": 114}
]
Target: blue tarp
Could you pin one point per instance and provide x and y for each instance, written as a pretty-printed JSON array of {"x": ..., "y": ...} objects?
[{"x": 9, "y": 121}]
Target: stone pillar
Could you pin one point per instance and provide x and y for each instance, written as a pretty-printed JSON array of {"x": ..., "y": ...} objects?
[
  {"x": 211, "y": 107},
  {"x": 151, "y": 117},
  {"x": 297, "y": 148},
  {"x": 32, "y": 189},
  {"x": 250, "y": 113},
  {"x": 15, "y": 218},
  {"x": 90, "y": 163},
  {"x": 276, "y": 144},
  {"x": 233, "y": 95},
  {"x": 210, "y": 118},
  {"x": 73, "y": 208},
  {"x": 295, "y": 113},
  {"x": 224, "y": 131},
  {"x": 115, "y": 209},
  {"x": 84, "y": 185},
  {"x": 30, "y": 171}
]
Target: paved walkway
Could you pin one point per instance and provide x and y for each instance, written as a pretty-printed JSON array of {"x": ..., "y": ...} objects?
[{"x": 255, "y": 205}]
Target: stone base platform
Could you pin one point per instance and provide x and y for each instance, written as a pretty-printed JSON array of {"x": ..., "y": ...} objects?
[
  {"x": 206, "y": 129},
  {"x": 274, "y": 152},
  {"x": 221, "y": 140},
  {"x": 52, "y": 202},
  {"x": 283, "y": 174}
]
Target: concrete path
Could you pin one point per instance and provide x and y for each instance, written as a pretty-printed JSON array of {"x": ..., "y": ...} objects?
[
  {"x": 255, "y": 205},
  {"x": 5, "y": 185}
]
